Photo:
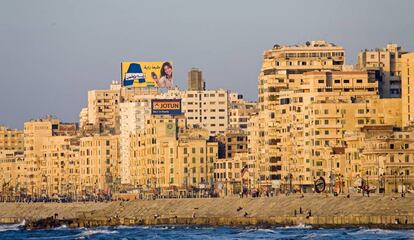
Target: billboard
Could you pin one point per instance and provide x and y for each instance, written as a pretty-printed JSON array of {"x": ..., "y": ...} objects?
[
  {"x": 166, "y": 106},
  {"x": 147, "y": 74}
]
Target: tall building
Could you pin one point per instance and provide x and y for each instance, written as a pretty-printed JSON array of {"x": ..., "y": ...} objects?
[
  {"x": 232, "y": 176},
  {"x": 195, "y": 81},
  {"x": 169, "y": 158},
  {"x": 13, "y": 173},
  {"x": 314, "y": 118},
  {"x": 407, "y": 79},
  {"x": 240, "y": 111},
  {"x": 382, "y": 158},
  {"x": 133, "y": 118},
  {"x": 99, "y": 164},
  {"x": 103, "y": 109},
  {"x": 35, "y": 133},
  {"x": 384, "y": 65},
  {"x": 282, "y": 69},
  {"x": 207, "y": 109},
  {"x": 59, "y": 168},
  {"x": 11, "y": 139},
  {"x": 234, "y": 141}
]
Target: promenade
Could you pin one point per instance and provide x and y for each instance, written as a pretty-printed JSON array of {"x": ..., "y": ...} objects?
[{"x": 317, "y": 210}]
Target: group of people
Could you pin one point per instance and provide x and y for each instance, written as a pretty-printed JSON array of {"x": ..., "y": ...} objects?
[{"x": 308, "y": 212}]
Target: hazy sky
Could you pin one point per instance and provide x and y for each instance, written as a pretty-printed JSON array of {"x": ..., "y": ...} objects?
[{"x": 53, "y": 52}]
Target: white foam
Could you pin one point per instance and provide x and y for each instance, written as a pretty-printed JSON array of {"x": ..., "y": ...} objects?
[
  {"x": 11, "y": 227},
  {"x": 90, "y": 232},
  {"x": 371, "y": 231},
  {"x": 299, "y": 226}
]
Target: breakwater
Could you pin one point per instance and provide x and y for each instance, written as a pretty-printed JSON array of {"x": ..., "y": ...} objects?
[{"x": 315, "y": 210}]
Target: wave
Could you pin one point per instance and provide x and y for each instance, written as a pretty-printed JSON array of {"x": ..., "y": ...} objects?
[
  {"x": 371, "y": 231},
  {"x": 90, "y": 232},
  {"x": 12, "y": 227},
  {"x": 299, "y": 226}
]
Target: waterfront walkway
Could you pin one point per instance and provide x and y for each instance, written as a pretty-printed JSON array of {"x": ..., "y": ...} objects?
[{"x": 294, "y": 209}]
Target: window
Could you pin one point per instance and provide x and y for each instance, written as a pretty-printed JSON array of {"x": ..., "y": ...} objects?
[
  {"x": 346, "y": 81},
  {"x": 359, "y": 80},
  {"x": 321, "y": 81}
]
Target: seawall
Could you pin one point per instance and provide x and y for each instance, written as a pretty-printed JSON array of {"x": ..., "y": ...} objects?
[{"x": 377, "y": 211}]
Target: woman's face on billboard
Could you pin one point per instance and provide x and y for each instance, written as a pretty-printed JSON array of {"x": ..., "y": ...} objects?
[{"x": 168, "y": 70}]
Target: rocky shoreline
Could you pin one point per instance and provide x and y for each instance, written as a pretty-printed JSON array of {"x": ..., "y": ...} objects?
[{"x": 389, "y": 212}]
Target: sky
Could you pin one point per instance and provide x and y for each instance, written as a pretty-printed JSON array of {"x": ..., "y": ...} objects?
[{"x": 53, "y": 52}]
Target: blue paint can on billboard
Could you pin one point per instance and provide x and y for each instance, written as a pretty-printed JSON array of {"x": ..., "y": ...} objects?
[{"x": 166, "y": 106}]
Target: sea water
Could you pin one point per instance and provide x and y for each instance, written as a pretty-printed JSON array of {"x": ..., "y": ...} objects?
[{"x": 201, "y": 232}]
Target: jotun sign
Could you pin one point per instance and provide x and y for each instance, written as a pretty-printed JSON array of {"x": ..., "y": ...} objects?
[{"x": 166, "y": 106}]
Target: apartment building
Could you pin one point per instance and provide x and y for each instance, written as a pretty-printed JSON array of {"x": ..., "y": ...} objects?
[
  {"x": 384, "y": 65},
  {"x": 234, "y": 141},
  {"x": 384, "y": 159},
  {"x": 314, "y": 118},
  {"x": 99, "y": 164},
  {"x": 133, "y": 116},
  {"x": 234, "y": 175},
  {"x": 195, "y": 81},
  {"x": 103, "y": 109},
  {"x": 170, "y": 158},
  {"x": 282, "y": 69},
  {"x": 240, "y": 111},
  {"x": 207, "y": 109},
  {"x": 407, "y": 78},
  {"x": 11, "y": 139},
  {"x": 59, "y": 166},
  {"x": 13, "y": 173}
]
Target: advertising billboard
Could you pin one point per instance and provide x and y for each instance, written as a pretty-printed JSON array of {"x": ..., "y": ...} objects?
[
  {"x": 147, "y": 74},
  {"x": 166, "y": 106}
]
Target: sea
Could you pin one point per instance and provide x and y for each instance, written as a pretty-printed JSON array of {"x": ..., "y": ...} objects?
[{"x": 16, "y": 231}]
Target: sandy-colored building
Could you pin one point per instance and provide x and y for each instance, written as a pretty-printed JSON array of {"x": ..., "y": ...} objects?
[
  {"x": 103, "y": 109},
  {"x": 11, "y": 139},
  {"x": 282, "y": 69},
  {"x": 384, "y": 65},
  {"x": 235, "y": 175},
  {"x": 407, "y": 80},
  {"x": 381, "y": 157},
  {"x": 99, "y": 164},
  {"x": 307, "y": 101},
  {"x": 13, "y": 173},
  {"x": 234, "y": 141},
  {"x": 59, "y": 166},
  {"x": 240, "y": 111},
  {"x": 169, "y": 158},
  {"x": 195, "y": 81},
  {"x": 34, "y": 131}
]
